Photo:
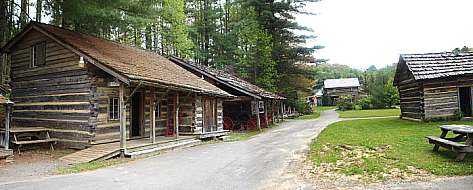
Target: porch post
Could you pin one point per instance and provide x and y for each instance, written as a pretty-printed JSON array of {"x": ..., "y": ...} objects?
[
  {"x": 122, "y": 119},
  {"x": 265, "y": 113},
  {"x": 258, "y": 120},
  {"x": 272, "y": 112},
  {"x": 153, "y": 116},
  {"x": 7, "y": 123},
  {"x": 176, "y": 126},
  {"x": 282, "y": 111}
]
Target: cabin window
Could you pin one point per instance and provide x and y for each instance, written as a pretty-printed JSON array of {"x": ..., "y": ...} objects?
[
  {"x": 157, "y": 110},
  {"x": 113, "y": 109},
  {"x": 38, "y": 55}
]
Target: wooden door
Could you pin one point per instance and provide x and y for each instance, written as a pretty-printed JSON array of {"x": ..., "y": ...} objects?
[
  {"x": 209, "y": 115},
  {"x": 465, "y": 101},
  {"x": 137, "y": 114},
  {"x": 171, "y": 115}
]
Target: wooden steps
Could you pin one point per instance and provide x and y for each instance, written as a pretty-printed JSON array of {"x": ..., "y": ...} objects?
[
  {"x": 134, "y": 148},
  {"x": 5, "y": 153},
  {"x": 164, "y": 147},
  {"x": 93, "y": 153}
]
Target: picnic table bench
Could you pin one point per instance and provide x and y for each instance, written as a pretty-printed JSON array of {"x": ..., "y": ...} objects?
[
  {"x": 31, "y": 135},
  {"x": 462, "y": 143}
]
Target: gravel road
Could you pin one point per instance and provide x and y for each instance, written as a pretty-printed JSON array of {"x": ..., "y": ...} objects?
[{"x": 267, "y": 161}]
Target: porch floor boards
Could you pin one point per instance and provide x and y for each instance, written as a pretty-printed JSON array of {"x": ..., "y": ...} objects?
[{"x": 110, "y": 150}]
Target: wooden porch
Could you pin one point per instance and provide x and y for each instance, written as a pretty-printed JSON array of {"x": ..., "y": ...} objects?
[{"x": 135, "y": 147}]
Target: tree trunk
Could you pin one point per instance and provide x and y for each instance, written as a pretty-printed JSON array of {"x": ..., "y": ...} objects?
[
  {"x": 24, "y": 13},
  {"x": 3, "y": 23},
  {"x": 149, "y": 40},
  {"x": 39, "y": 10}
]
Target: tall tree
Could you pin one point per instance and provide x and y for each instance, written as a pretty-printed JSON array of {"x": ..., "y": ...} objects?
[
  {"x": 24, "y": 11},
  {"x": 39, "y": 10}
]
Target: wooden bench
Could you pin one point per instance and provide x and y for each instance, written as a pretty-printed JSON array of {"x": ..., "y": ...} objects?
[
  {"x": 31, "y": 135},
  {"x": 464, "y": 134}
]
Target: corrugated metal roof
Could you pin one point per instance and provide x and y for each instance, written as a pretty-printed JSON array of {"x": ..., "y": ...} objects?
[{"x": 341, "y": 83}]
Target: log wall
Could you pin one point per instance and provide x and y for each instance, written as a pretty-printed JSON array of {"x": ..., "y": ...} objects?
[
  {"x": 410, "y": 95},
  {"x": 441, "y": 96},
  {"x": 55, "y": 95}
]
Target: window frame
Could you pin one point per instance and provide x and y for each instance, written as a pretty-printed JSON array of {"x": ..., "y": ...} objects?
[
  {"x": 113, "y": 109},
  {"x": 36, "y": 55},
  {"x": 33, "y": 57}
]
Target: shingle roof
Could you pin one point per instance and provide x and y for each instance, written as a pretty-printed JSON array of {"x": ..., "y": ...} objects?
[
  {"x": 231, "y": 79},
  {"x": 437, "y": 65},
  {"x": 134, "y": 63},
  {"x": 341, "y": 83}
]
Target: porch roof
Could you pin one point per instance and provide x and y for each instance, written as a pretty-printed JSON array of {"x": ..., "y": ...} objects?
[{"x": 228, "y": 79}]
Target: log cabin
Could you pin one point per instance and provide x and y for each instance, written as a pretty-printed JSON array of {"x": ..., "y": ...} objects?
[
  {"x": 435, "y": 85},
  {"x": 86, "y": 90},
  {"x": 240, "y": 112},
  {"x": 335, "y": 88}
]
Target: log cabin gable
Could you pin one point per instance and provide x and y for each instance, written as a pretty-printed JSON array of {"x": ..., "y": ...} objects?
[
  {"x": 51, "y": 89},
  {"x": 33, "y": 29}
]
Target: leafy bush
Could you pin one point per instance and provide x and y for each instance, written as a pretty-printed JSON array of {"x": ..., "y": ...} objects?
[
  {"x": 345, "y": 103},
  {"x": 365, "y": 103}
]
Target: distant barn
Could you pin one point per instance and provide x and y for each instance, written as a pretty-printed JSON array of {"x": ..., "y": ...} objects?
[
  {"x": 435, "y": 85},
  {"x": 336, "y": 88}
]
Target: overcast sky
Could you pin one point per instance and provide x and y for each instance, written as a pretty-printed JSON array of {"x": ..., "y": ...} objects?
[{"x": 360, "y": 33}]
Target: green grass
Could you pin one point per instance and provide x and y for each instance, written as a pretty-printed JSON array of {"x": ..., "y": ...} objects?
[
  {"x": 90, "y": 166},
  {"x": 369, "y": 113},
  {"x": 406, "y": 142},
  {"x": 245, "y": 135},
  {"x": 316, "y": 112}
]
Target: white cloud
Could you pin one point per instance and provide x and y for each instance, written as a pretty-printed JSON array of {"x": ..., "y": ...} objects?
[{"x": 374, "y": 32}]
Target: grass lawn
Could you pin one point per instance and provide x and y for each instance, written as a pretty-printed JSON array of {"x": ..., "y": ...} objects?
[
  {"x": 316, "y": 112},
  {"x": 402, "y": 143},
  {"x": 369, "y": 113},
  {"x": 90, "y": 166}
]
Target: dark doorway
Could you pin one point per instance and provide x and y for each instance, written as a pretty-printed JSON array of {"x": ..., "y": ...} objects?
[
  {"x": 137, "y": 114},
  {"x": 465, "y": 101}
]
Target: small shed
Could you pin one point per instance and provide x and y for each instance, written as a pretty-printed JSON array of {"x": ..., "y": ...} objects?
[
  {"x": 435, "y": 85},
  {"x": 335, "y": 88},
  {"x": 241, "y": 111}
]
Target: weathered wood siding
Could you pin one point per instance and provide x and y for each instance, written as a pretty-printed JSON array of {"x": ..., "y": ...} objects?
[
  {"x": 186, "y": 114},
  {"x": 352, "y": 91},
  {"x": 108, "y": 130},
  {"x": 441, "y": 96},
  {"x": 332, "y": 94},
  {"x": 199, "y": 114},
  {"x": 56, "y": 95},
  {"x": 410, "y": 95}
]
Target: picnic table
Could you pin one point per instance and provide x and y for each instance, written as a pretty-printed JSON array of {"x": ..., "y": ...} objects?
[{"x": 462, "y": 143}]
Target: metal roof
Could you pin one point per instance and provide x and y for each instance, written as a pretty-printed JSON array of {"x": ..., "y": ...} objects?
[{"x": 341, "y": 83}]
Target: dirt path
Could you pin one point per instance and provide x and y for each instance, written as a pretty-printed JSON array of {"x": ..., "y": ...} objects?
[{"x": 31, "y": 164}]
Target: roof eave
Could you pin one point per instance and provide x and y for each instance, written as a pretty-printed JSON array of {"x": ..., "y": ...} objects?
[{"x": 183, "y": 63}]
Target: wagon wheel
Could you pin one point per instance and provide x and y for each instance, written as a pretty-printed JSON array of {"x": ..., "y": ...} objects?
[
  {"x": 227, "y": 123},
  {"x": 251, "y": 124}
]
